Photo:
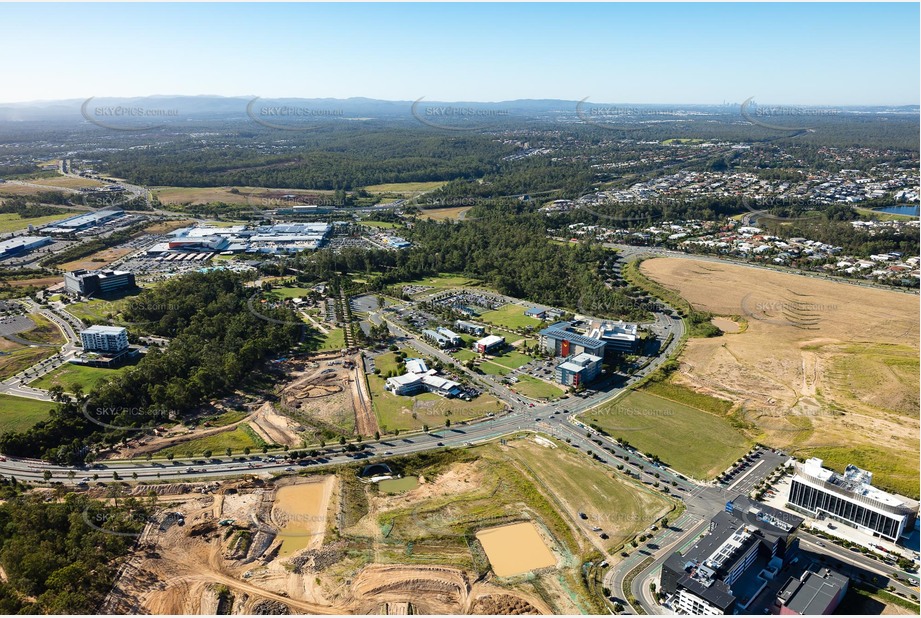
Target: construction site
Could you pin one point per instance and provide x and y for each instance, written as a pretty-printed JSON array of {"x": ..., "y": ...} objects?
[{"x": 334, "y": 543}]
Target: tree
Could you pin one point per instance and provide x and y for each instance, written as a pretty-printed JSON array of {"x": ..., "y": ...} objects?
[
  {"x": 229, "y": 451},
  {"x": 341, "y": 440},
  {"x": 134, "y": 475},
  {"x": 447, "y": 422},
  {"x": 425, "y": 428},
  {"x": 246, "y": 450},
  {"x": 207, "y": 454},
  {"x": 377, "y": 435},
  {"x": 47, "y": 475},
  {"x": 265, "y": 449},
  {"x": 148, "y": 457},
  {"x": 169, "y": 456}
]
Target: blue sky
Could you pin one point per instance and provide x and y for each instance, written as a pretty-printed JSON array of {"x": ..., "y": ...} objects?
[{"x": 805, "y": 54}]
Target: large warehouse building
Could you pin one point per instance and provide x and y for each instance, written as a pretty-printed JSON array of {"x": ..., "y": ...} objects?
[
  {"x": 851, "y": 499},
  {"x": 279, "y": 238},
  {"x": 22, "y": 244},
  {"x": 83, "y": 222}
]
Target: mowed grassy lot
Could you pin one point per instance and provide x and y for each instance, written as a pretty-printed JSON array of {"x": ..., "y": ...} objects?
[
  {"x": 444, "y": 281},
  {"x": 69, "y": 375},
  {"x": 99, "y": 310},
  {"x": 512, "y": 359},
  {"x": 236, "y": 439},
  {"x": 334, "y": 340},
  {"x": 688, "y": 439},
  {"x": 510, "y": 316},
  {"x": 621, "y": 507},
  {"x": 411, "y": 413},
  {"x": 19, "y": 413},
  {"x": 283, "y": 293},
  {"x": 536, "y": 389},
  {"x": 405, "y": 189},
  {"x": 11, "y": 222}
]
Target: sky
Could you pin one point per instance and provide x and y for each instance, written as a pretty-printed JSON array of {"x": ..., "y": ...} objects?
[{"x": 802, "y": 54}]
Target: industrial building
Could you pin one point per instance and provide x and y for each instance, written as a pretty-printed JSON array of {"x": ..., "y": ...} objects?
[
  {"x": 487, "y": 344},
  {"x": 618, "y": 336},
  {"x": 22, "y": 244},
  {"x": 83, "y": 222},
  {"x": 278, "y": 238},
  {"x": 725, "y": 570},
  {"x": 559, "y": 339},
  {"x": 87, "y": 283},
  {"x": 814, "y": 593},
  {"x": 851, "y": 499},
  {"x": 419, "y": 378},
  {"x": 578, "y": 370},
  {"x": 107, "y": 339},
  {"x": 470, "y": 328}
]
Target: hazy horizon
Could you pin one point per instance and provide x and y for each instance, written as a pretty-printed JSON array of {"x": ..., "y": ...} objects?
[{"x": 826, "y": 54}]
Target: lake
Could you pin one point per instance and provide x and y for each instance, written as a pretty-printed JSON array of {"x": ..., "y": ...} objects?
[{"x": 899, "y": 210}]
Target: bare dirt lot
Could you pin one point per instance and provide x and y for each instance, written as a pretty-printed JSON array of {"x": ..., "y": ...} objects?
[
  {"x": 823, "y": 367},
  {"x": 97, "y": 260},
  {"x": 329, "y": 390}
]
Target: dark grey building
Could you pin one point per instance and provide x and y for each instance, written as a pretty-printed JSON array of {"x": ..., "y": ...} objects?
[{"x": 727, "y": 568}]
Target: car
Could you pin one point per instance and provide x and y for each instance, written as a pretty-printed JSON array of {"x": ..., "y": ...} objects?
[
  {"x": 289, "y": 469},
  {"x": 441, "y": 444},
  {"x": 388, "y": 452},
  {"x": 820, "y": 544}
]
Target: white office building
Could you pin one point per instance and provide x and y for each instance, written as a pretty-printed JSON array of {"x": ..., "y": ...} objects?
[
  {"x": 110, "y": 339},
  {"x": 851, "y": 499}
]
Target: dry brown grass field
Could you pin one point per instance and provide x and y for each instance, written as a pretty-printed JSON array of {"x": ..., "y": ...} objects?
[
  {"x": 823, "y": 368},
  {"x": 255, "y": 196}
]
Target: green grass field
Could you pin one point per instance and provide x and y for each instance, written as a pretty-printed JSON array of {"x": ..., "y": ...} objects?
[
  {"x": 688, "y": 439},
  {"x": 19, "y": 413},
  {"x": 510, "y": 316},
  {"x": 236, "y": 439},
  {"x": 69, "y": 375},
  {"x": 406, "y": 413},
  {"x": 286, "y": 292},
  {"x": 387, "y": 363},
  {"x": 537, "y": 389},
  {"x": 334, "y": 340},
  {"x": 12, "y": 222},
  {"x": 384, "y": 225},
  {"x": 492, "y": 369},
  {"x": 464, "y": 354},
  {"x": 98, "y": 310},
  {"x": 512, "y": 359}
]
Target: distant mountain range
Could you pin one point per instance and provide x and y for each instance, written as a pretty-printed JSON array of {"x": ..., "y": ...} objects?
[{"x": 209, "y": 106}]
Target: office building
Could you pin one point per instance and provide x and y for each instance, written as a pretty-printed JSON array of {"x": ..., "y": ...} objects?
[
  {"x": 578, "y": 370},
  {"x": 725, "y": 570},
  {"x": 419, "y": 378},
  {"x": 88, "y": 283},
  {"x": 559, "y": 339},
  {"x": 851, "y": 499},
  {"x": 453, "y": 338},
  {"x": 618, "y": 336},
  {"x": 107, "y": 339},
  {"x": 489, "y": 344},
  {"x": 470, "y": 328}
]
